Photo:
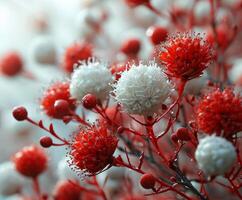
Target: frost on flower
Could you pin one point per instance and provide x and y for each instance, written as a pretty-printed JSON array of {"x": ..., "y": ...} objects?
[
  {"x": 142, "y": 89},
  {"x": 92, "y": 77},
  {"x": 215, "y": 155}
]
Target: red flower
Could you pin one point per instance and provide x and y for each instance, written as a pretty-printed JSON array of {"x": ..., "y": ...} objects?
[
  {"x": 92, "y": 149},
  {"x": 185, "y": 56},
  {"x": 220, "y": 112},
  {"x": 134, "y": 3},
  {"x": 31, "y": 161},
  {"x": 74, "y": 54},
  {"x": 57, "y": 91},
  {"x": 65, "y": 190},
  {"x": 11, "y": 64}
]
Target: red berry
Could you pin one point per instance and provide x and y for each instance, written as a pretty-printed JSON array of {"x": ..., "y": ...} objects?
[
  {"x": 131, "y": 47},
  {"x": 31, "y": 161},
  {"x": 157, "y": 34},
  {"x": 174, "y": 138},
  {"x": 76, "y": 53},
  {"x": 61, "y": 107},
  {"x": 147, "y": 181},
  {"x": 113, "y": 114},
  {"x": 66, "y": 190},
  {"x": 220, "y": 112},
  {"x": 92, "y": 149},
  {"x": 57, "y": 91},
  {"x": 183, "y": 134},
  {"x": 11, "y": 64},
  {"x": 89, "y": 101},
  {"x": 134, "y": 3},
  {"x": 20, "y": 113},
  {"x": 185, "y": 56},
  {"x": 46, "y": 142}
]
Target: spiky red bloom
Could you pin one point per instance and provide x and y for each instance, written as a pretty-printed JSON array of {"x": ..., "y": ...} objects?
[
  {"x": 76, "y": 53},
  {"x": 57, "y": 91},
  {"x": 11, "y": 64},
  {"x": 92, "y": 149},
  {"x": 65, "y": 190},
  {"x": 220, "y": 112},
  {"x": 185, "y": 56},
  {"x": 31, "y": 161}
]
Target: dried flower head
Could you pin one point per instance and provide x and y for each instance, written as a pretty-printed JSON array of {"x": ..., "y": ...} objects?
[
  {"x": 220, "y": 112},
  {"x": 142, "y": 89},
  {"x": 92, "y": 149},
  {"x": 185, "y": 56}
]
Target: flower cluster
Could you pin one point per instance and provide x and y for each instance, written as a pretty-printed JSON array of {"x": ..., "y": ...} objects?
[
  {"x": 220, "y": 112},
  {"x": 147, "y": 105}
]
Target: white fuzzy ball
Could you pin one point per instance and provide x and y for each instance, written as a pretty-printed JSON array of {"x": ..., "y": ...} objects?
[
  {"x": 91, "y": 77},
  {"x": 10, "y": 181},
  {"x": 215, "y": 155},
  {"x": 43, "y": 50},
  {"x": 142, "y": 89}
]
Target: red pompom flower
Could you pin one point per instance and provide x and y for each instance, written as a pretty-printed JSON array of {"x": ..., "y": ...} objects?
[
  {"x": 66, "y": 190},
  {"x": 185, "y": 56},
  {"x": 92, "y": 149},
  {"x": 57, "y": 91},
  {"x": 74, "y": 54},
  {"x": 220, "y": 112},
  {"x": 11, "y": 64},
  {"x": 31, "y": 161}
]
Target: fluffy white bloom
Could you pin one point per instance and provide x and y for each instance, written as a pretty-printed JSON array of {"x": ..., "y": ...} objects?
[
  {"x": 10, "y": 181},
  {"x": 92, "y": 77},
  {"x": 215, "y": 155},
  {"x": 142, "y": 89},
  {"x": 43, "y": 50}
]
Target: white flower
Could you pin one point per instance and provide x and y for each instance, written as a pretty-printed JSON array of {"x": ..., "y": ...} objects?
[
  {"x": 215, "y": 155},
  {"x": 43, "y": 50},
  {"x": 92, "y": 77},
  {"x": 142, "y": 89},
  {"x": 10, "y": 181}
]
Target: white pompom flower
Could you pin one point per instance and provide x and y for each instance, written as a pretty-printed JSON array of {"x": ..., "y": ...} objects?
[
  {"x": 10, "y": 181},
  {"x": 91, "y": 77},
  {"x": 142, "y": 89},
  {"x": 215, "y": 155}
]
